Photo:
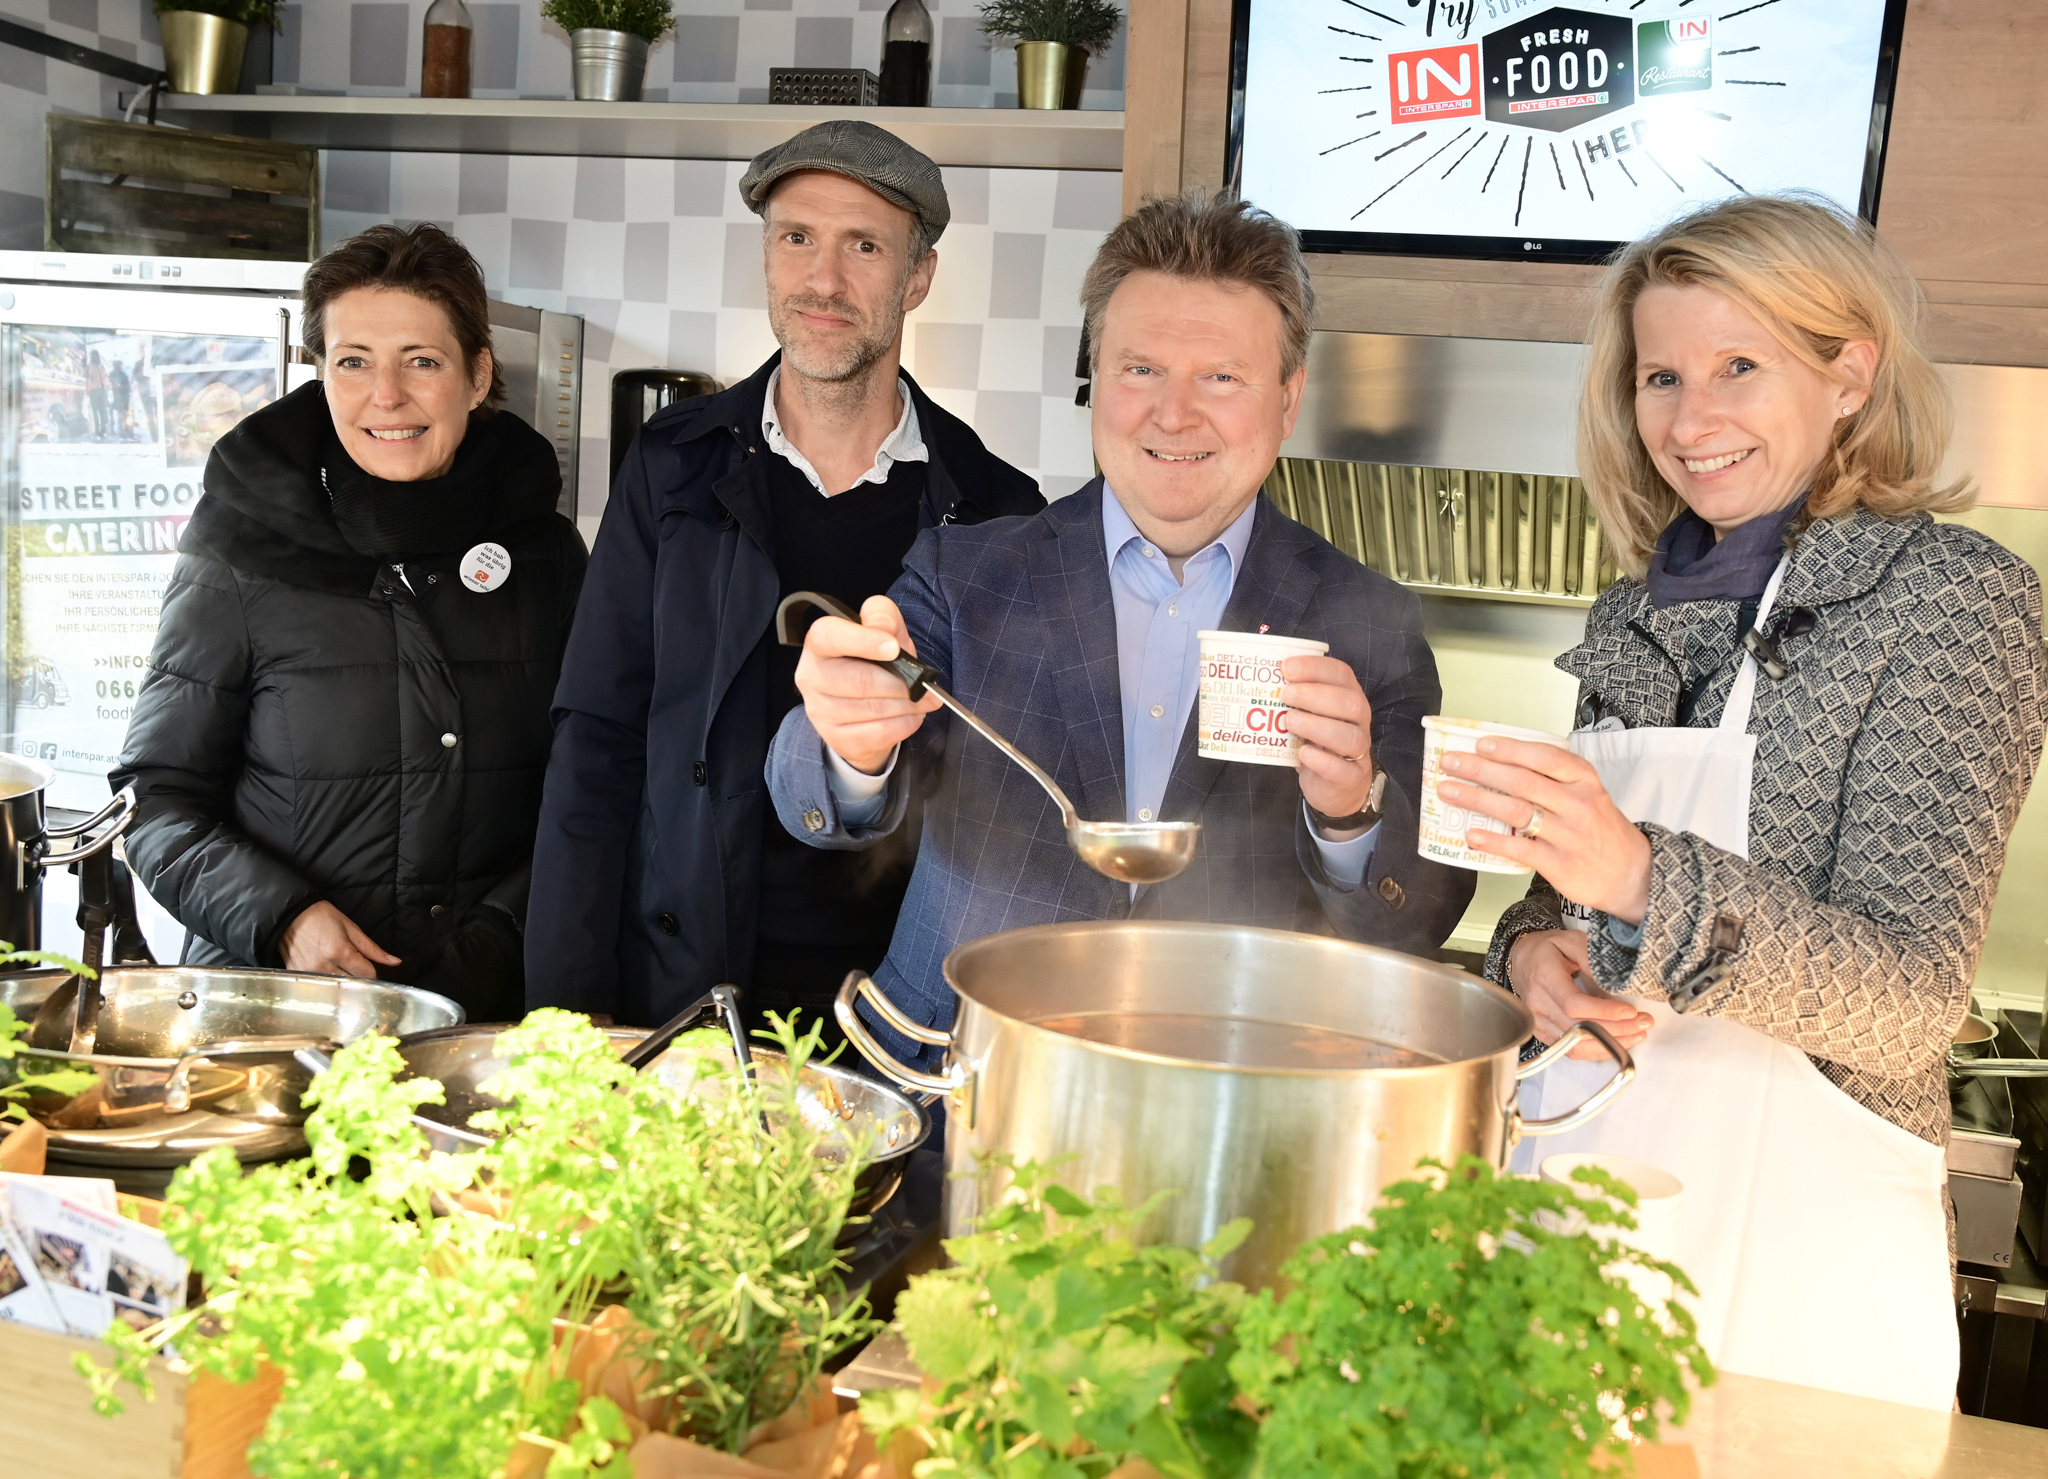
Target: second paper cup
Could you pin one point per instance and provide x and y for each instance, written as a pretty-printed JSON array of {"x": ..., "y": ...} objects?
[{"x": 1442, "y": 827}]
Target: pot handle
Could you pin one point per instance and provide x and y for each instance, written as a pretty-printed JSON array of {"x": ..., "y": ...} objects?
[
  {"x": 1558, "y": 1124},
  {"x": 118, "y": 813},
  {"x": 32, "y": 855},
  {"x": 857, "y": 985},
  {"x": 1998, "y": 1067},
  {"x": 178, "y": 1090}
]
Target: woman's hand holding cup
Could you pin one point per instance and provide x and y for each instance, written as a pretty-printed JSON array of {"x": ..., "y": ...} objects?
[{"x": 1557, "y": 819}]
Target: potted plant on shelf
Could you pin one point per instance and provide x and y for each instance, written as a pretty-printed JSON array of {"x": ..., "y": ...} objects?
[
  {"x": 204, "y": 40},
  {"x": 1054, "y": 40},
  {"x": 608, "y": 42}
]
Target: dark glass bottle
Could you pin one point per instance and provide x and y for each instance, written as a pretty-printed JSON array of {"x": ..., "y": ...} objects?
[
  {"x": 907, "y": 56},
  {"x": 445, "y": 50}
]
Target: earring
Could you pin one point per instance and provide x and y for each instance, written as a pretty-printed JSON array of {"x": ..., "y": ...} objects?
[{"x": 1848, "y": 410}]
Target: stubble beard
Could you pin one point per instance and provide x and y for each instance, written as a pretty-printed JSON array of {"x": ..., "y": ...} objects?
[{"x": 847, "y": 362}]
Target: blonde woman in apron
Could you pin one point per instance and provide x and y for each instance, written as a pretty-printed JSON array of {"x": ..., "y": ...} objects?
[{"x": 1808, "y": 717}]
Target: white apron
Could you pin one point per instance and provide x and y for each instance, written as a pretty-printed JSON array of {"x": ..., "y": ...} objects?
[{"x": 1814, "y": 1228}]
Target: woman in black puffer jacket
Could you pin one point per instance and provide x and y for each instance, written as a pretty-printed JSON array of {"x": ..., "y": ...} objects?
[{"x": 338, "y": 749}]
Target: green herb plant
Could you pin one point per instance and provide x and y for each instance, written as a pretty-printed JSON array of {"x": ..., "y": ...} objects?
[
  {"x": 244, "y": 12},
  {"x": 19, "y": 1081},
  {"x": 649, "y": 18},
  {"x": 1059, "y": 1348},
  {"x": 1087, "y": 24},
  {"x": 1470, "y": 1330},
  {"x": 418, "y": 1340}
]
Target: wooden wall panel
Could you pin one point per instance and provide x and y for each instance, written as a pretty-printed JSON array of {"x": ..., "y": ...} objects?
[
  {"x": 1965, "y": 196},
  {"x": 1155, "y": 91},
  {"x": 1205, "y": 117},
  {"x": 1966, "y": 184}
]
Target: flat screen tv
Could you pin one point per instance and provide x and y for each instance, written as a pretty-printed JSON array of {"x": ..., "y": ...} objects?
[{"x": 1525, "y": 130}]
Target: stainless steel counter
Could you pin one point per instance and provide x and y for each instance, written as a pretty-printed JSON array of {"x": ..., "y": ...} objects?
[{"x": 1744, "y": 1427}]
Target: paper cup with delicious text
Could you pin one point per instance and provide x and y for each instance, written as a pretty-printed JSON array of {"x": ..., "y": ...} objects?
[
  {"x": 1238, "y": 712},
  {"x": 1442, "y": 827}
]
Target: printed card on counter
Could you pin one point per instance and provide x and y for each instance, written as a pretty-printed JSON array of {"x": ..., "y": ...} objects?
[
  {"x": 95, "y": 1267},
  {"x": 95, "y": 1192},
  {"x": 23, "y": 1297}
]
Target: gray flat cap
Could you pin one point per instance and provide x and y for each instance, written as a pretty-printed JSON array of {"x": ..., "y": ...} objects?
[{"x": 860, "y": 151}]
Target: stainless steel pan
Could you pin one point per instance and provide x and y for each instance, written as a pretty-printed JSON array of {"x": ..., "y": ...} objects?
[
  {"x": 851, "y": 1106},
  {"x": 188, "y": 1058}
]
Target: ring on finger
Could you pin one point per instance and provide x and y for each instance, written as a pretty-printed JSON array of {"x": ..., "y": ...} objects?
[{"x": 1533, "y": 828}]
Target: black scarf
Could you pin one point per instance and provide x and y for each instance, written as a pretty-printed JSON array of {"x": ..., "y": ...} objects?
[
  {"x": 399, "y": 522},
  {"x": 1691, "y": 565},
  {"x": 268, "y": 507}
]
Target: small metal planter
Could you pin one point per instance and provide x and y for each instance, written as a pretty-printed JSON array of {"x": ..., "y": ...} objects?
[
  {"x": 1049, "y": 74},
  {"x": 608, "y": 66},
  {"x": 203, "y": 53}
]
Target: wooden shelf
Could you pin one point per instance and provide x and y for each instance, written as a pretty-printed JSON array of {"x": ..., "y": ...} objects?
[{"x": 1006, "y": 138}]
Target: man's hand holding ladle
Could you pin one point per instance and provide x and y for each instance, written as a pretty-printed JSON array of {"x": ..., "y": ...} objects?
[{"x": 860, "y": 710}]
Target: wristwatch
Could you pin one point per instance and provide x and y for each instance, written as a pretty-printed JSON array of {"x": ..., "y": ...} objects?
[{"x": 1364, "y": 819}]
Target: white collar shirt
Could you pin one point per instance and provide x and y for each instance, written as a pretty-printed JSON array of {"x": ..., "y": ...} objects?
[{"x": 904, "y": 444}]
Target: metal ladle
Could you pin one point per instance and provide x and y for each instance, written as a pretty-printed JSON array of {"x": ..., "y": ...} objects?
[{"x": 1130, "y": 852}]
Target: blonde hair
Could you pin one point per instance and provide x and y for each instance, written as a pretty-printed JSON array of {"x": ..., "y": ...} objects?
[
  {"x": 1202, "y": 238},
  {"x": 1816, "y": 280}
]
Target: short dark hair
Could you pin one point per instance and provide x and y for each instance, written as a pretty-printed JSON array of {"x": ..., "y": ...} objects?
[
  {"x": 423, "y": 260},
  {"x": 1200, "y": 237}
]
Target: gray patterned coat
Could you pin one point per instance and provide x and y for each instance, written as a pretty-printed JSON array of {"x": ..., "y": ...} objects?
[{"x": 1891, "y": 763}]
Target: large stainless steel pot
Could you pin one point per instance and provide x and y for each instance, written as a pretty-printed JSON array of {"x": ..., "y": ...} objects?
[
  {"x": 852, "y": 1108},
  {"x": 1254, "y": 1073},
  {"x": 25, "y": 845},
  {"x": 190, "y": 1058}
]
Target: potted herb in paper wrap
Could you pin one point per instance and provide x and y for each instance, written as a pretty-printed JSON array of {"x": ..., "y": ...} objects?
[
  {"x": 631, "y": 1275},
  {"x": 204, "y": 40},
  {"x": 1054, "y": 41},
  {"x": 608, "y": 42},
  {"x": 1481, "y": 1326}
]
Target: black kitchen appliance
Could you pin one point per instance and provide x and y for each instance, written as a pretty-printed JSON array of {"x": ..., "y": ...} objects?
[{"x": 638, "y": 394}]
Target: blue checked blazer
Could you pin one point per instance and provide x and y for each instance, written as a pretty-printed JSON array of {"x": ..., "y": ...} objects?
[{"x": 1016, "y": 615}]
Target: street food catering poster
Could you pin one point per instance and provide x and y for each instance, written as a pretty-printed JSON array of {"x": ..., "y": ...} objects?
[
  {"x": 1593, "y": 122},
  {"x": 112, "y": 431}
]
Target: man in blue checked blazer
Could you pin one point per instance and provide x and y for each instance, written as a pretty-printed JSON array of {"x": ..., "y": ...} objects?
[{"x": 1073, "y": 632}]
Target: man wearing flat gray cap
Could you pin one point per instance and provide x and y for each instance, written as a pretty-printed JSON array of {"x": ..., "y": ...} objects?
[{"x": 660, "y": 869}]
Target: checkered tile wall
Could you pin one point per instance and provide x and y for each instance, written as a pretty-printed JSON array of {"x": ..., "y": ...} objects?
[
  {"x": 659, "y": 257},
  {"x": 663, "y": 262}
]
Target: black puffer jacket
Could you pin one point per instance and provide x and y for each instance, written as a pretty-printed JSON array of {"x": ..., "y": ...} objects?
[{"x": 315, "y": 727}]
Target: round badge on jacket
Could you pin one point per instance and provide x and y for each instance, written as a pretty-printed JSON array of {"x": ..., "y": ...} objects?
[{"x": 486, "y": 567}]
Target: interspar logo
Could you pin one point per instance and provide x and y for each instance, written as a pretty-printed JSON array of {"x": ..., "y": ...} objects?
[
  {"x": 1545, "y": 105},
  {"x": 1442, "y": 82}
]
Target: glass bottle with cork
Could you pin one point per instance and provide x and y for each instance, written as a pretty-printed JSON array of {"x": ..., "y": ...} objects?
[
  {"x": 445, "y": 52},
  {"x": 907, "y": 56}
]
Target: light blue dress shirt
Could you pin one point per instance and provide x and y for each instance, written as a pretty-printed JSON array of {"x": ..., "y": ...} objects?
[{"x": 1159, "y": 661}]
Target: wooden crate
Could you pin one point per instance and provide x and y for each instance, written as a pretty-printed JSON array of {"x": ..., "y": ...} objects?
[
  {"x": 197, "y": 1428},
  {"x": 168, "y": 192}
]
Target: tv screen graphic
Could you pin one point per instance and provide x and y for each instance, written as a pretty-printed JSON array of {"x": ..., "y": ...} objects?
[{"x": 1528, "y": 130}]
